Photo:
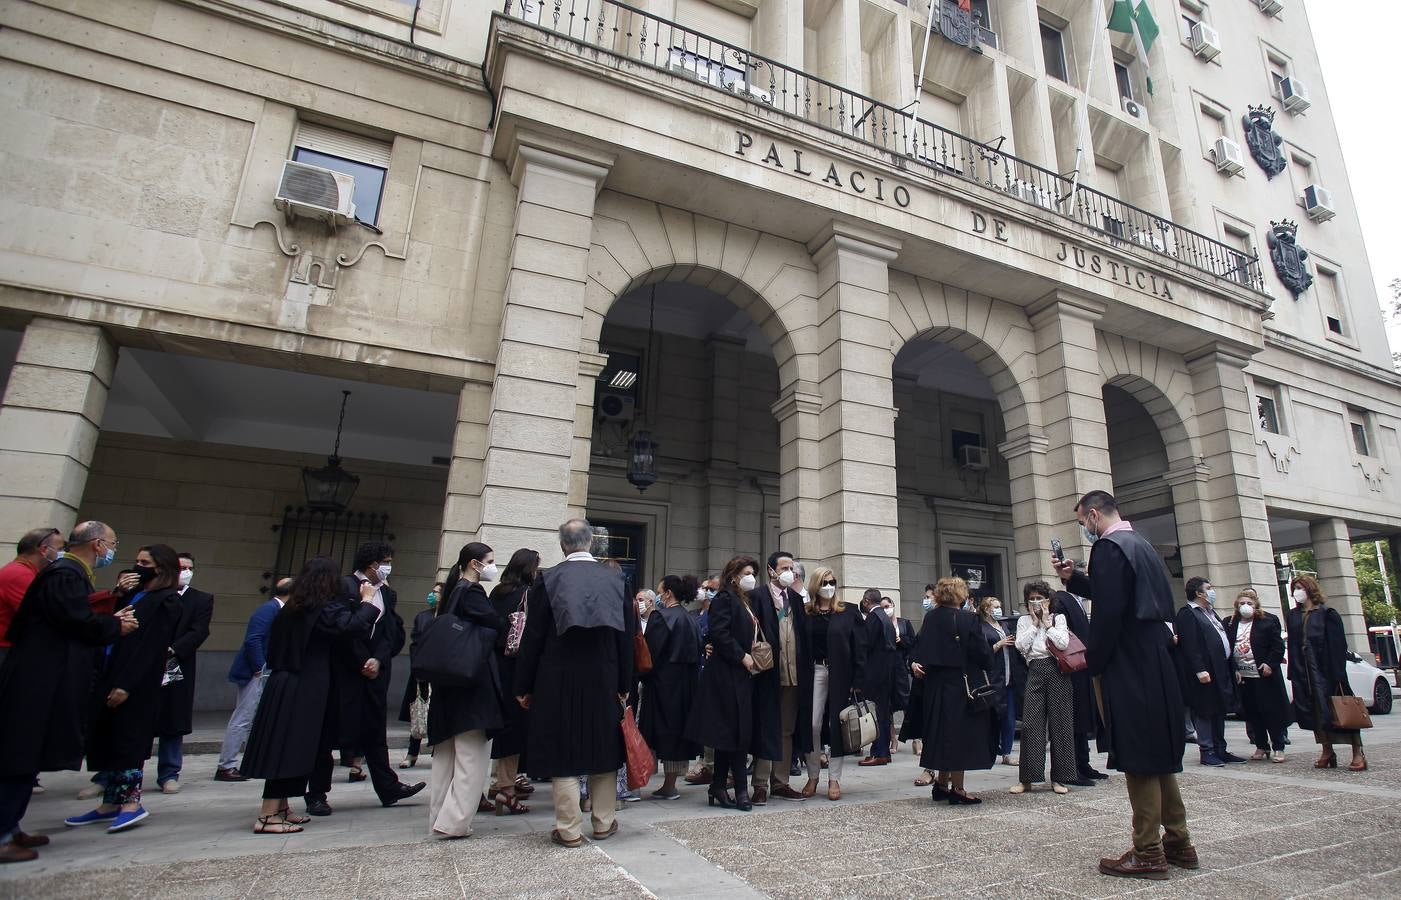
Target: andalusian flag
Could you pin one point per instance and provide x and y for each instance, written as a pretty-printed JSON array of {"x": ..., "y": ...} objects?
[{"x": 1137, "y": 20}]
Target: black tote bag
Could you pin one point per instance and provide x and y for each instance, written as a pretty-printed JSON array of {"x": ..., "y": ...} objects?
[{"x": 454, "y": 652}]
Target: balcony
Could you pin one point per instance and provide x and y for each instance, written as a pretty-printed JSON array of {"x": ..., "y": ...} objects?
[{"x": 609, "y": 27}]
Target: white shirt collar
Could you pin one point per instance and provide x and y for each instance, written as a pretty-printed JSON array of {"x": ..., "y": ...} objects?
[{"x": 578, "y": 555}]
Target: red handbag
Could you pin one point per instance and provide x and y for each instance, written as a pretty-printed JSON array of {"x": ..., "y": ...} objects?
[
  {"x": 642, "y": 765},
  {"x": 1072, "y": 658}
]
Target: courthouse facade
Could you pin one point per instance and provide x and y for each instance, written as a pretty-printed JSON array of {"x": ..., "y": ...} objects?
[{"x": 897, "y": 333}]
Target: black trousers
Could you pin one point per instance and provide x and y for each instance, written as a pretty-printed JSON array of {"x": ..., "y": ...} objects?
[
  {"x": 15, "y": 792},
  {"x": 1082, "y": 754},
  {"x": 374, "y": 743}
]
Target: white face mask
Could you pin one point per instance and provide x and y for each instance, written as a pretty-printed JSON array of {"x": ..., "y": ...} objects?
[
  {"x": 785, "y": 578},
  {"x": 1300, "y": 595},
  {"x": 1211, "y": 596},
  {"x": 383, "y": 571},
  {"x": 186, "y": 576},
  {"x": 488, "y": 572},
  {"x": 827, "y": 591},
  {"x": 928, "y": 604},
  {"x": 1246, "y": 610},
  {"x": 997, "y": 612},
  {"x": 747, "y": 583},
  {"x": 710, "y": 593}
]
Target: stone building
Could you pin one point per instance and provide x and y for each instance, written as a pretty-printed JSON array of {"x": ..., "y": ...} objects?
[{"x": 898, "y": 333}]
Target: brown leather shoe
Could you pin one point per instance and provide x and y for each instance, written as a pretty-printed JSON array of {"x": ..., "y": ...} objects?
[
  {"x": 10, "y": 852},
  {"x": 1135, "y": 865},
  {"x": 700, "y": 776},
  {"x": 1184, "y": 857},
  {"x": 30, "y": 841},
  {"x": 229, "y": 775},
  {"x": 875, "y": 761},
  {"x": 760, "y": 796},
  {"x": 786, "y": 792}
]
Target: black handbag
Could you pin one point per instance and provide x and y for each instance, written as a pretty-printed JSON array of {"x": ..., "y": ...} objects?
[
  {"x": 984, "y": 697},
  {"x": 453, "y": 652}
]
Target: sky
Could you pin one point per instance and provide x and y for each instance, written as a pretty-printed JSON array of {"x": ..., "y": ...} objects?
[{"x": 1357, "y": 49}]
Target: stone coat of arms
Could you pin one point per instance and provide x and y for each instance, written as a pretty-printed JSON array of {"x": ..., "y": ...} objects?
[
  {"x": 1264, "y": 144},
  {"x": 1289, "y": 258}
]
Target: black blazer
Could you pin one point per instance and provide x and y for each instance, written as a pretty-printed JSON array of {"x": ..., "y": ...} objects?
[
  {"x": 1200, "y": 647},
  {"x": 1266, "y": 642}
]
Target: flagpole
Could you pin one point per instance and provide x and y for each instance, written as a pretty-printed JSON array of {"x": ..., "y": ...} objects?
[
  {"x": 1101, "y": 34},
  {"x": 934, "y": 7}
]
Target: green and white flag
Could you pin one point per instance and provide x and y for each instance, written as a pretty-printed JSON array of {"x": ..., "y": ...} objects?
[{"x": 1136, "y": 19}]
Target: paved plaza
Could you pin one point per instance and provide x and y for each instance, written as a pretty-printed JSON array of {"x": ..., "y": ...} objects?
[{"x": 1263, "y": 830}]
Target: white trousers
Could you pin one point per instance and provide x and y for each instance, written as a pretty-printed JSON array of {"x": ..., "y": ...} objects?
[
  {"x": 460, "y": 770},
  {"x": 820, "y": 678}
]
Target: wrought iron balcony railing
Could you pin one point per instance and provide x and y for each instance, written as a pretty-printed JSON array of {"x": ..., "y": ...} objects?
[{"x": 623, "y": 31}]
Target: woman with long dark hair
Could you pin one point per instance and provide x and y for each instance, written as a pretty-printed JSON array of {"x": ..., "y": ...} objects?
[
  {"x": 1318, "y": 669},
  {"x": 128, "y": 695},
  {"x": 509, "y": 597},
  {"x": 291, "y": 729},
  {"x": 723, "y": 714},
  {"x": 461, "y": 719},
  {"x": 673, "y": 640}
]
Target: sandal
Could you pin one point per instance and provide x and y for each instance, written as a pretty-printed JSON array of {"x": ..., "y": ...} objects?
[
  {"x": 810, "y": 788},
  {"x": 925, "y": 780},
  {"x": 507, "y": 804},
  {"x": 357, "y": 773},
  {"x": 523, "y": 786},
  {"x": 274, "y": 824},
  {"x": 292, "y": 819},
  {"x": 485, "y": 805}
]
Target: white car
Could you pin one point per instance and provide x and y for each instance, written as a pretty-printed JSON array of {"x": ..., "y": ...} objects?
[{"x": 1365, "y": 680}]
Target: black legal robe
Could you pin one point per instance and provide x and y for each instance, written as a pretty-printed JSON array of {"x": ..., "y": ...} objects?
[{"x": 669, "y": 690}]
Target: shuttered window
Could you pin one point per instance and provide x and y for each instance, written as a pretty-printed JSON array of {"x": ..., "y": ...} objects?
[{"x": 365, "y": 159}]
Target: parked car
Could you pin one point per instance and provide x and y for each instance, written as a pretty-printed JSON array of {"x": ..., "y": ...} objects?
[{"x": 1366, "y": 680}]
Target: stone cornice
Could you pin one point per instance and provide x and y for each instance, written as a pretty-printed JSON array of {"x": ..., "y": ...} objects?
[
  {"x": 533, "y": 148},
  {"x": 837, "y": 235},
  {"x": 1066, "y": 303},
  {"x": 796, "y": 401},
  {"x": 1024, "y": 444},
  {"x": 1280, "y": 340}
]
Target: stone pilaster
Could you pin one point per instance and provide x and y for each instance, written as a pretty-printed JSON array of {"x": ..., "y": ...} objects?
[
  {"x": 1337, "y": 575},
  {"x": 591, "y": 365},
  {"x": 1032, "y": 509},
  {"x": 49, "y": 422},
  {"x": 799, "y": 476},
  {"x": 462, "y": 508},
  {"x": 535, "y": 471},
  {"x": 1235, "y": 528},
  {"x": 1072, "y": 410},
  {"x": 858, "y": 514}
]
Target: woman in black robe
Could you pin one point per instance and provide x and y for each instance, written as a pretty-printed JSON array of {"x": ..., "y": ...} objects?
[
  {"x": 950, "y": 655},
  {"x": 673, "y": 640},
  {"x": 508, "y": 746},
  {"x": 833, "y": 633},
  {"x": 1318, "y": 669},
  {"x": 723, "y": 716},
  {"x": 128, "y": 695},
  {"x": 293, "y": 727}
]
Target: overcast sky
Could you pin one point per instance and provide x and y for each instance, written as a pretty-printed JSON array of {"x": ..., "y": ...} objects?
[{"x": 1357, "y": 45}]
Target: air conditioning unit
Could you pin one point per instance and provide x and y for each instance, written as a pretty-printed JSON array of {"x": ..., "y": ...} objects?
[
  {"x": 1151, "y": 239},
  {"x": 316, "y": 193},
  {"x": 1206, "y": 43},
  {"x": 1294, "y": 95},
  {"x": 1228, "y": 155},
  {"x": 1134, "y": 108},
  {"x": 1271, "y": 7},
  {"x": 1318, "y": 203},
  {"x": 618, "y": 407},
  {"x": 971, "y": 457}
]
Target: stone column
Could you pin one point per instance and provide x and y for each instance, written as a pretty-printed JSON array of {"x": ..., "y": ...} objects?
[
  {"x": 1235, "y": 528},
  {"x": 591, "y": 365},
  {"x": 531, "y": 478},
  {"x": 1032, "y": 510},
  {"x": 858, "y": 513},
  {"x": 1072, "y": 410},
  {"x": 462, "y": 508},
  {"x": 1337, "y": 575},
  {"x": 49, "y": 422},
  {"x": 799, "y": 477}
]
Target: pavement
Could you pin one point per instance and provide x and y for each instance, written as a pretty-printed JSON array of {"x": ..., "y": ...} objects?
[{"x": 1263, "y": 830}]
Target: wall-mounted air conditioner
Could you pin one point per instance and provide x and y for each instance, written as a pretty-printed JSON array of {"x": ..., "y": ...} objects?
[
  {"x": 1206, "y": 42},
  {"x": 1318, "y": 203},
  {"x": 1294, "y": 95},
  {"x": 1271, "y": 7},
  {"x": 1134, "y": 108},
  {"x": 316, "y": 193},
  {"x": 971, "y": 457},
  {"x": 618, "y": 407},
  {"x": 1228, "y": 156}
]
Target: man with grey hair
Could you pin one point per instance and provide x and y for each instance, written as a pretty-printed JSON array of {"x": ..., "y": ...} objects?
[
  {"x": 573, "y": 672},
  {"x": 46, "y": 679}
]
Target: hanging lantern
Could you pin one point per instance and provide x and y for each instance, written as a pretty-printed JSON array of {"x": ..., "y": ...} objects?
[
  {"x": 329, "y": 488},
  {"x": 642, "y": 460}
]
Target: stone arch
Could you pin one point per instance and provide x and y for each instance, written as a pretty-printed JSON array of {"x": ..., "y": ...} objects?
[
  {"x": 637, "y": 242},
  {"x": 994, "y": 334},
  {"x": 1159, "y": 380}
]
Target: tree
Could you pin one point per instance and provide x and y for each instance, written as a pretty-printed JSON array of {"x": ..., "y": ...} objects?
[
  {"x": 1392, "y": 314},
  {"x": 1375, "y": 607}
]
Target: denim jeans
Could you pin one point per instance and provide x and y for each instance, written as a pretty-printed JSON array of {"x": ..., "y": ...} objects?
[
  {"x": 1211, "y": 735},
  {"x": 170, "y": 757},
  {"x": 1009, "y": 721}
]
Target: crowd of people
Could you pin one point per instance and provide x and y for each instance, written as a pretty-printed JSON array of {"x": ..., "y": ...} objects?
[{"x": 737, "y": 681}]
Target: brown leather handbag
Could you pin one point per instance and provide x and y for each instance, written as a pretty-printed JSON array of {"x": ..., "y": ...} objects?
[
  {"x": 1072, "y": 658},
  {"x": 1349, "y": 712},
  {"x": 641, "y": 655}
]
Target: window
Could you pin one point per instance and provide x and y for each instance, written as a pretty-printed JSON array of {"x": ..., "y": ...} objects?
[
  {"x": 1053, "y": 49},
  {"x": 1267, "y": 408},
  {"x": 982, "y": 14},
  {"x": 1358, "y": 425},
  {"x": 1124, "y": 79},
  {"x": 365, "y": 159},
  {"x": 1190, "y": 13},
  {"x": 1330, "y": 300},
  {"x": 1301, "y": 175},
  {"x": 1211, "y": 120},
  {"x": 965, "y": 430},
  {"x": 1241, "y": 252},
  {"x": 1278, "y": 67}
]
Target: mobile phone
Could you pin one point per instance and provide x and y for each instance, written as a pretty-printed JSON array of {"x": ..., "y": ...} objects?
[{"x": 1056, "y": 550}]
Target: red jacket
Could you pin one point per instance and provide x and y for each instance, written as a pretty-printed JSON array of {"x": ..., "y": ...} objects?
[{"x": 15, "y": 578}]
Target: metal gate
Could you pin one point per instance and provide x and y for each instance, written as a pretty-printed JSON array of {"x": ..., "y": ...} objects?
[{"x": 305, "y": 533}]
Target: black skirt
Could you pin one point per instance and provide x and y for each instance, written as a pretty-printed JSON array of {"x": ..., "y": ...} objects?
[{"x": 956, "y": 738}]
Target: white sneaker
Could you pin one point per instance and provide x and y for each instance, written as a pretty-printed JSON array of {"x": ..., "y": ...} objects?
[{"x": 171, "y": 787}]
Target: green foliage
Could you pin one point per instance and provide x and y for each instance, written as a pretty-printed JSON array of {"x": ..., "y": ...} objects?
[{"x": 1369, "y": 579}]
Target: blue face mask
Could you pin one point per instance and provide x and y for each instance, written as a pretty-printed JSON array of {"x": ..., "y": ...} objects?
[
  {"x": 1211, "y": 596},
  {"x": 1090, "y": 536},
  {"x": 928, "y": 604},
  {"x": 432, "y": 599},
  {"x": 105, "y": 559}
]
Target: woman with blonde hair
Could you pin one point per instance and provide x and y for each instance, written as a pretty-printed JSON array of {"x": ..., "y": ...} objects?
[
  {"x": 1258, "y": 654},
  {"x": 951, "y": 658},
  {"x": 1318, "y": 669},
  {"x": 831, "y": 630}
]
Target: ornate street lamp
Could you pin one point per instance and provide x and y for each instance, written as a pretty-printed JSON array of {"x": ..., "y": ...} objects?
[
  {"x": 329, "y": 488},
  {"x": 642, "y": 450}
]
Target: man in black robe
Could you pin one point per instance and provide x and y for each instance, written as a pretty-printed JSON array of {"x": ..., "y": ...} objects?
[
  {"x": 573, "y": 673},
  {"x": 1130, "y": 650},
  {"x": 46, "y": 678},
  {"x": 878, "y": 675}
]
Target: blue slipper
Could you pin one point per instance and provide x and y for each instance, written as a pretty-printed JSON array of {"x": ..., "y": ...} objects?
[
  {"x": 128, "y": 819},
  {"x": 89, "y": 818}
]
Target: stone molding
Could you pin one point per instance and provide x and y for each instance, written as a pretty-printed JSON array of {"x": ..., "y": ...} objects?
[
  {"x": 1282, "y": 449},
  {"x": 532, "y": 148},
  {"x": 869, "y": 242},
  {"x": 794, "y": 401},
  {"x": 1012, "y": 448}
]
